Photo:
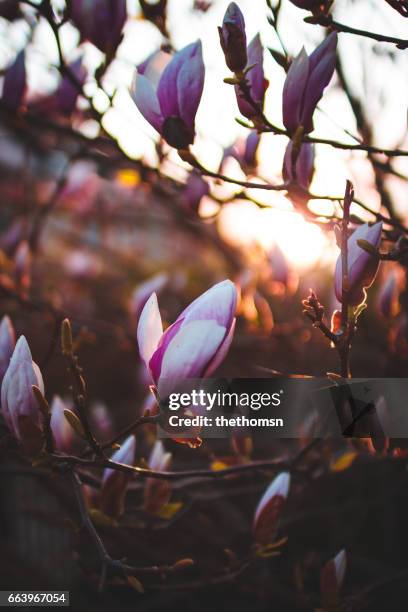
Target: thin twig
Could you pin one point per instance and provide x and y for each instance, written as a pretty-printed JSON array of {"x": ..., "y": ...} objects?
[{"x": 329, "y": 22}]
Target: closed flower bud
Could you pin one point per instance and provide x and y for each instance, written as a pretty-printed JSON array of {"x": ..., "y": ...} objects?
[
  {"x": 68, "y": 91},
  {"x": 14, "y": 84},
  {"x": 169, "y": 102},
  {"x": 100, "y": 21},
  {"x": 269, "y": 509},
  {"x": 195, "y": 345},
  {"x": 256, "y": 80},
  {"x": 102, "y": 421},
  {"x": 362, "y": 266},
  {"x": 196, "y": 188},
  {"x": 114, "y": 483},
  {"x": 157, "y": 492},
  {"x": 280, "y": 267},
  {"x": 61, "y": 430},
  {"x": 250, "y": 151},
  {"x": 299, "y": 171},
  {"x": 18, "y": 403},
  {"x": 7, "y": 344},
  {"x": 233, "y": 38},
  {"x": 244, "y": 151},
  {"x": 331, "y": 580},
  {"x": 22, "y": 265},
  {"x": 305, "y": 82},
  {"x": 13, "y": 235}
]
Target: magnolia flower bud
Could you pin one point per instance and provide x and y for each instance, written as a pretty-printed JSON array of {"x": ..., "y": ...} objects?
[
  {"x": 196, "y": 188},
  {"x": 61, "y": 429},
  {"x": 251, "y": 147},
  {"x": 101, "y": 420},
  {"x": 100, "y": 21},
  {"x": 256, "y": 80},
  {"x": 22, "y": 265},
  {"x": 269, "y": 509},
  {"x": 301, "y": 171},
  {"x": 331, "y": 580},
  {"x": 13, "y": 235},
  {"x": 114, "y": 483},
  {"x": 68, "y": 91},
  {"x": 195, "y": 345},
  {"x": 233, "y": 38},
  {"x": 157, "y": 492},
  {"x": 305, "y": 82},
  {"x": 14, "y": 83},
  {"x": 362, "y": 266},
  {"x": 244, "y": 151},
  {"x": 7, "y": 344},
  {"x": 169, "y": 103},
  {"x": 18, "y": 403},
  {"x": 280, "y": 267}
]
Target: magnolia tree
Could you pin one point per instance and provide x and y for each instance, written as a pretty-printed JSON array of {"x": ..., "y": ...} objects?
[{"x": 116, "y": 191}]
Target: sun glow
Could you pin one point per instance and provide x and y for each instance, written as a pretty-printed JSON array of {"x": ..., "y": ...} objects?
[{"x": 304, "y": 244}]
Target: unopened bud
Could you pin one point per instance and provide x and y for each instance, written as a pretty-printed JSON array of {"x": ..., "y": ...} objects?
[
  {"x": 182, "y": 564},
  {"x": 41, "y": 401},
  {"x": 75, "y": 423},
  {"x": 66, "y": 337},
  {"x": 233, "y": 39}
]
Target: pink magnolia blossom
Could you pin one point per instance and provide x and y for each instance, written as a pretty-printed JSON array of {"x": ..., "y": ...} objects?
[
  {"x": 7, "y": 344},
  {"x": 233, "y": 38},
  {"x": 269, "y": 509},
  {"x": 100, "y": 21},
  {"x": 14, "y": 83},
  {"x": 302, "y": 171},
  {"x": 196, "y": 188},
  {"x": 305, "y": 82},
  {"x": 61, "y": 430},
  {"x": 331, "y": 580},
  {"x": 19, "y": 406},
  {"x": 169, "y": 103},
  {"x": 244, "y": 151},
  {"x": 362, "y": 266},
  {"x": 256, "y": 80},
  {"x": 114, "y": 483},
  {"x": 157, "y": 492},
  {"x": 195, "y": 345}
]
